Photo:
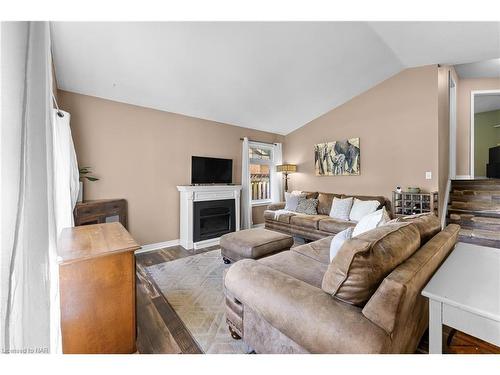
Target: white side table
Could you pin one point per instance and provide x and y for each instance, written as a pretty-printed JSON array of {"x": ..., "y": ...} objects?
[{"x": 464, "y": 294}]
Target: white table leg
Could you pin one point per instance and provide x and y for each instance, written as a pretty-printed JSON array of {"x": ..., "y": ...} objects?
[{"x": 435, "y": 327}]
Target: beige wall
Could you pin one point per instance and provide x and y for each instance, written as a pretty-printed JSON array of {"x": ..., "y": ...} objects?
[
  {"x": 142, "y": 154},
  {"x": 397, "y": 123},
  {"x": 465, "y": 87}
]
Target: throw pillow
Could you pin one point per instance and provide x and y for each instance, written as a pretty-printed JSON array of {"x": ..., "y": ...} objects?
[
  {"x": 371, "y": 221},
  {"x": 363, "y": 262},
  {"x": 307, "y": 206},
  {"x": 341, "y": 208},
  {"x": 338, "y": 240},
  {"x": 362, "y": 208},
  {"x": 292, "y": 201}
]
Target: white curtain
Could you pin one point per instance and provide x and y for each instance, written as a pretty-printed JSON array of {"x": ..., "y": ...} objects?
[
  {"x": 65, "y": 187},
  {"x": 246, "y": 191},
  {"x": 66, "y": 174},
  {"x": 32, "y": 210},
  {"x": 276, "y": 178}
]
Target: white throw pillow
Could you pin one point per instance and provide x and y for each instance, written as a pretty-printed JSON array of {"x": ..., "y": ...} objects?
[
  {"x": 362, "y": 208},
  {"x": 371, "y": 221},
  {"x": 292, "y": 201},
  {"x": 338, "y": 240},
  {"x": 341, "y": 208}
]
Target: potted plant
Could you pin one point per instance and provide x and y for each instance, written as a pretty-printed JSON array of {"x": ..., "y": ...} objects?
[{"x": 84, "y": 174}]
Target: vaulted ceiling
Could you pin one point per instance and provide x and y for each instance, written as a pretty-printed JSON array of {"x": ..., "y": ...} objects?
[
  {"x": 272, "y": 76},
  {"x": 480, "y": 69}
]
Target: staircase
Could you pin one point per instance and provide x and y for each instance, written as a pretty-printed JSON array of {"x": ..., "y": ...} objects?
[{"x": 475, "y": 206}]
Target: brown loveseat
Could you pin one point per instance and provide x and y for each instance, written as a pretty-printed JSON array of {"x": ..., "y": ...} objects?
[
  {"x": 314, "y": 227},
  {"x": 297, "y": 302}
]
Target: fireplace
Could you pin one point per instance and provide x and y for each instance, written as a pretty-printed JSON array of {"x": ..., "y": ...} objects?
[
  {"x": 206, "y": 213},
  {"x": 212, "y": 219}
]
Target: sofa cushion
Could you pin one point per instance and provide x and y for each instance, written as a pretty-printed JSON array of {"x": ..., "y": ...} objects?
[
  {"x": 280, "y": 216},
  {"x": 428, "y": 225},
  {"x": 393, "y": 299},
  {"x": 269, "y": 215},
  {"x": 341, "y": 208},
  {"x": 318, "y": 250},
  {"x": 276, "y": 206},
  {"x": 378, "y": 198},
  {"x": 325, "y": 201},
  {"x": 371, "y": 221},
  {"x": 292, "y": 201},
  {"x": 338, "y": 240},
  {"x": 311, "y": 194},
  {"x": 307, "y": 206},
  {"x": 331, "y": 225},
  {"x": 307, "y": 221},
  {"x": 302, "y": 312},
  {"x": 298, "y": 266},
  {"x": 362, "y": 208},
  {"x": 364, "y": 261}
]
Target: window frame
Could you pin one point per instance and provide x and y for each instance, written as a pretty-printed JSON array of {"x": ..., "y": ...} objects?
[{"x": 271, "y": 163}]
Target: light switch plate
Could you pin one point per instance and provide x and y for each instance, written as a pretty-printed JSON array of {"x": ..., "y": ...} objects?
[{"x": 428, "y": 175}]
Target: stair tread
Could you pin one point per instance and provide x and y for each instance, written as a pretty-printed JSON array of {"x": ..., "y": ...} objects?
[
  {"x": 480, "y": 233},
  {"x": 486, "y": 220},
  {"x": 462, "y": 211},
  {"x": 469, "y": 192}
]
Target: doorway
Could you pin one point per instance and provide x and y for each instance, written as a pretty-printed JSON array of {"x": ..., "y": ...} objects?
[
  {"x": 485, "y": 134},
  {"x": 453, "y": 126}
]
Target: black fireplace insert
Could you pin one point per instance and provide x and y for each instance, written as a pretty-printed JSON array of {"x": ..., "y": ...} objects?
[{"x": 212, "y": 219}]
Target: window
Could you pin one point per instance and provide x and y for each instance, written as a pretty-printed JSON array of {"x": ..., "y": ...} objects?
[{"x": 261, "y": 164}]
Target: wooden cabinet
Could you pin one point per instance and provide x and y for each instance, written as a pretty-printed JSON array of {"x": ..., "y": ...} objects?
[
  {"x": 97, "y": 289},
  {"x": 101, "y": 211}
]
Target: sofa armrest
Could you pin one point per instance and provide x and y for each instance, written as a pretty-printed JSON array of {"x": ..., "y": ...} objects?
[
  {"x": 276, "y": 206},
  {"x": 313, "y": 319}
]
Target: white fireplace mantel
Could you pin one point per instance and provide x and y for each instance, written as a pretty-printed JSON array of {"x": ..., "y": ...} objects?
[{"x": 196, "y": 193}]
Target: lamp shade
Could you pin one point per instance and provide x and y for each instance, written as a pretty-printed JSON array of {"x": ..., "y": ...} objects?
[{"x": 287, "y": 168}]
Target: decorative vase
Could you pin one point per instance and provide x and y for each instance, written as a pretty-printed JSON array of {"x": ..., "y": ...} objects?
[{"x": 80, "y": 193}]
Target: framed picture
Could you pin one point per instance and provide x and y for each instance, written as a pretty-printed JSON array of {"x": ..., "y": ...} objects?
[{"x": 338, "y": 158}]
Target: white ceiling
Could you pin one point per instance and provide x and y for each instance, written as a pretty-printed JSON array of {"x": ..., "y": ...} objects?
[
  {"x": 486, "y": 103},
  {"x": 482, "y": 69},
  {"x": 273, "y": 76}
]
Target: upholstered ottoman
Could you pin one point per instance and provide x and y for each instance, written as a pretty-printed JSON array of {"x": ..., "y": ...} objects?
[{"x": 253, "y": 244}]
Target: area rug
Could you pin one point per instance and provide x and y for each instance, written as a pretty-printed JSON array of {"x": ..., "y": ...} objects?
[{"x": 194, "y": 288}]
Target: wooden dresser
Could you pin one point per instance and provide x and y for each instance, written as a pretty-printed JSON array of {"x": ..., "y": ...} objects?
[
  {"x": 101, "y": 211},
  {"x": 97, "y": 286}
]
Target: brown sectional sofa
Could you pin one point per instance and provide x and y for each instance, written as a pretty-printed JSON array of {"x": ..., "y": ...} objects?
[
  {"x": 297, "y": 302},
  {"x": 314, "y": 227}
]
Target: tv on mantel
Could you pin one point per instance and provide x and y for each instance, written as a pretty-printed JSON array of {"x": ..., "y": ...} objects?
[{"x": 206, "y": 171}]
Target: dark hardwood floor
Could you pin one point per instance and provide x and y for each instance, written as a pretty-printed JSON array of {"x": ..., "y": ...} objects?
[{"x": 160, "y": 330}]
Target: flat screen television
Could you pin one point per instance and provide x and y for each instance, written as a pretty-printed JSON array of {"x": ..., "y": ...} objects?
[{"x": 211, "y": 170}]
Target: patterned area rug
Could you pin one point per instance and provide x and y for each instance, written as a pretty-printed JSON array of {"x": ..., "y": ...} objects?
[{"x": 193, "y": 287}]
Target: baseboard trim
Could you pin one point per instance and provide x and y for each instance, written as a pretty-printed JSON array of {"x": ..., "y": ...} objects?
[
  {"x": 261, "y": 225},
  {"x": 463, "y": 177},
  {"x": 157, "y": 246},
  {"x": 206, "y": 243}
]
